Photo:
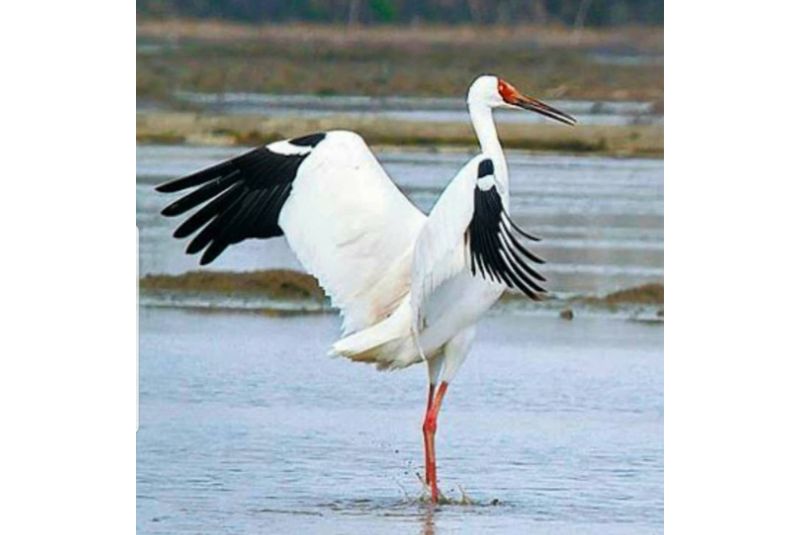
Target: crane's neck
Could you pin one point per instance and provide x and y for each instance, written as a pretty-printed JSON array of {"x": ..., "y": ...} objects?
[{"x": 483, "y": 123}]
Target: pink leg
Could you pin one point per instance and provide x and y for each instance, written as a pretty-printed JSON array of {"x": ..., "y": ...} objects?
[{"x": 429, "y": 433}]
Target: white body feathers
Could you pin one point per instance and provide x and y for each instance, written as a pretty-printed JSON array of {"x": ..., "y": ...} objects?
[{"x": 442, "y": 298}]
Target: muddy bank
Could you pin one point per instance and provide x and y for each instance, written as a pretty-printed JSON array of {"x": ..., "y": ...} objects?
[
  {"x": 273, "y": 283},
  {"x": 647, "y": 294},
  {"x": 277, "y": 292},
  {"x": 286, "y": 291},
  {"x": 198, "y": 129}
]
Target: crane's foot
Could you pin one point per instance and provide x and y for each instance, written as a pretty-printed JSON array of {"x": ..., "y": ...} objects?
[
  {"x": 434, "y": 494},
  {"x": 428, "y": 492}
]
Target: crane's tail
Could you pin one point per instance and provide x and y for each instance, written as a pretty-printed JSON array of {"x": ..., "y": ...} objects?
[{"x": 388, "y": 344}]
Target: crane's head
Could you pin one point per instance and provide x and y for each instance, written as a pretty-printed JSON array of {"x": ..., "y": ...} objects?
[{"x": 495, "y": 92}]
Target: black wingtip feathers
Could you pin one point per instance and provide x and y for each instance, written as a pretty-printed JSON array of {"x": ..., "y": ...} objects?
[
  {"x": 235, "y": 200},
  {"x": 496, "y": 251}
]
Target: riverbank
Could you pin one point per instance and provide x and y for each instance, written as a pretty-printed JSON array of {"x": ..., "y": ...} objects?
[{"x": 247, "y": 130}]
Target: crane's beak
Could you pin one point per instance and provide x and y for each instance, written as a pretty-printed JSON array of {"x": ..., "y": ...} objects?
[{"x": 528, "y": 103}]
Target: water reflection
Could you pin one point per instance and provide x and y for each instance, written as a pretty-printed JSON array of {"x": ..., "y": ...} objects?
[{"x": 428, "y": 521}]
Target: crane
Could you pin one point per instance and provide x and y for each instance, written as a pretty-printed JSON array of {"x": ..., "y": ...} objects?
[{"x": 410, "y": 287}]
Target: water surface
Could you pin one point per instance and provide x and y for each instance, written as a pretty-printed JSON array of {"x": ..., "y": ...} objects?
[
  {"x": 247, "y": 427},
  {"x": 412, "y": 109},
  {"x": 600, "y": 218}
]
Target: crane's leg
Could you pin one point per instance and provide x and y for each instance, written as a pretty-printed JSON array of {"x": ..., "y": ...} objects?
[
  {"x": 455, "y": 351},
  {"x": 434, "y": 367},
  {"x": 431, "y": 392},
  {"x": 429, "y": 434}
]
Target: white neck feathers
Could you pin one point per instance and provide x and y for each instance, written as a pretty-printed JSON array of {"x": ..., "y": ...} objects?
[{"x": 483, "y": 123}]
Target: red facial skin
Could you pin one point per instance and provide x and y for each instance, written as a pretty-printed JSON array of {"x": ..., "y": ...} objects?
[{"x": 507, "y": 91}]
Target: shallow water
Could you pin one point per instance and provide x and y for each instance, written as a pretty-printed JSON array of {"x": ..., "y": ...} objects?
[
  {"x": 247, "y": 427},
  {"x": 414, "y": 109},
  {"x": 601, "y": 218}
]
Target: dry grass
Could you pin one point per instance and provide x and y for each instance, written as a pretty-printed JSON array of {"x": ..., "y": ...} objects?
[
  {"x": 274, "y": 283},
  {"x": 546, "y": 61},
  {"x": 647, "y": 294},
  {"x": 186, "y": 127}
]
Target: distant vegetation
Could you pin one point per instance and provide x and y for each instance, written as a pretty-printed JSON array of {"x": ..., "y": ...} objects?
[
  {"x": 574, "y": 13},
  {"x": 308, "y": 47},
  {"x": 548, "y": 61}
]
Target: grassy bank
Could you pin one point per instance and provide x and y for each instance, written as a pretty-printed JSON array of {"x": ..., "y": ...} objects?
[
  {"x": 545, "y": 61},
  {"x": 187, "y": 127},
  {"x": 288, "y": 285}
]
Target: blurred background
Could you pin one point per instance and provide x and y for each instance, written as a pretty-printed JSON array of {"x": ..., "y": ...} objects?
[
  {"x": 213, "y": 76},
  {"x": 555, "y": 422},
  {"x": 569, "y": 12},
  {"x": 579, "y": 49}
]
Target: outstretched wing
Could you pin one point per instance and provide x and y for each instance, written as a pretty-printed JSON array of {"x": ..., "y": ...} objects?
[
  {"x": 469, "y": 230},
  {"x": 341, "y": 214}
]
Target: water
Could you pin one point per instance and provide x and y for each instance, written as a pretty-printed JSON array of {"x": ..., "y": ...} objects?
[
  {"x": 601, "y": 218},
  {"x": 451, "y": 110},
  {"x": 247, "y": 427}
]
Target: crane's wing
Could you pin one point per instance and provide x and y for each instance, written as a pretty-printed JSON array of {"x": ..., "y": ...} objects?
[
  {"x": 469, "y": 230},
  {"x": 342, "y": 215}
]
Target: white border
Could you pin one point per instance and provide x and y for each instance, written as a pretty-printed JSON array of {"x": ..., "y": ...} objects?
[
  {"x": 66, "y": 222},
  {"x": 68, "y": 267},
  {"x": 731, "y": 236}
]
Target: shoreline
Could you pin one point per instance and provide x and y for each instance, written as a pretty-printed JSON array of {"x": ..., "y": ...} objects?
[
  {"x": 282, "y": 292},
  {"x": 174, "y": 127}
]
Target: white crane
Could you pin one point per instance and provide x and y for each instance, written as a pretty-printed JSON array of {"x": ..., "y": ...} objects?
[{"x": 410, "y": 288}]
